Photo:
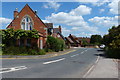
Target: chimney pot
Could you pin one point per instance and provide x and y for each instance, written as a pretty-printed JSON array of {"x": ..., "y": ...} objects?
[{"x": 35, "y": 12}]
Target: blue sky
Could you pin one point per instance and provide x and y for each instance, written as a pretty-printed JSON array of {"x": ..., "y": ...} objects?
[{"x": 77, "y": 18}]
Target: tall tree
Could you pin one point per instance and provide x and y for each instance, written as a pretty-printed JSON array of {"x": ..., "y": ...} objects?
[{"x": 96, "y": 39}]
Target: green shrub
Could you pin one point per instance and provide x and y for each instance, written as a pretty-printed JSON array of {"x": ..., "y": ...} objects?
[
  {"x": 12, "y": 50},
  {"x": 62, "y": 43},
  {"x": 55, "y": 44},
  {"x": 41, "y": 52},
  {"x": 113, "y": 53},
  {"x": 32, "y": 52}
]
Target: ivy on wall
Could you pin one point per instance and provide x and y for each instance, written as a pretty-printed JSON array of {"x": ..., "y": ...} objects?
[{"x": 10, "y": 35}]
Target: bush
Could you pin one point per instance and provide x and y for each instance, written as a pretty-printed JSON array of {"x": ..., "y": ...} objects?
[
  {"x": 12, "y": 50},
  {"x": 32, "y": 52},
  {"x": 113, "y": 53},
  {"x": 55, "y": 44},
  {"x": 41, "y": 52},
  {"x": 48, "y": 50}
]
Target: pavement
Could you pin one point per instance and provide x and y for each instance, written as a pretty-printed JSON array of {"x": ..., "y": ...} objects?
[{"x": 104, "y": 68}]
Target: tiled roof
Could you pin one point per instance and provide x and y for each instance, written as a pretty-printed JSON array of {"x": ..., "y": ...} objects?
[
  {"x": 49, "y": 25},
  {"x": 73, "y": 36},
  {"x": 77, "y": 41},
  {"x": 67, "y": 38}
]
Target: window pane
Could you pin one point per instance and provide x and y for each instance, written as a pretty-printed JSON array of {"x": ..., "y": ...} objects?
[
  {"x": 27, "y": 23},
  {"x": 27, "y": 19}
]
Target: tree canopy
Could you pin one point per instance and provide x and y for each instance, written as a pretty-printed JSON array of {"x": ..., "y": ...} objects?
[
  {"x": 112, "y": 39},
  {"x": 112, "y": 42},
  {"x": 96, "y": 39}
]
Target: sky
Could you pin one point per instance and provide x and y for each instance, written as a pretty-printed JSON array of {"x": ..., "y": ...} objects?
[{"x": 81, "y": 19}]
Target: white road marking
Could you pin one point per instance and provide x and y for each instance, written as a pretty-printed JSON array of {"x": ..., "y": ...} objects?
[
  {"x": 82, "y": 52},
  {"x": 91, "y": 67},
  {"x": 85, "y": 50},
  {"x": 53, "y": 61},
  {"x": 97, "y": 59},
  {"x": 5, "y": 70},
  {"x": 74, "y": 55},
  {"x": 89, "y": 71}
]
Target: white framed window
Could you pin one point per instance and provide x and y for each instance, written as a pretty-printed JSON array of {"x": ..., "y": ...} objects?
[{"x": 26, "y": 23}]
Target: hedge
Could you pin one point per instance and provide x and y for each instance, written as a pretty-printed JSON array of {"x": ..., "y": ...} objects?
[{"x": 55, "y": 44}]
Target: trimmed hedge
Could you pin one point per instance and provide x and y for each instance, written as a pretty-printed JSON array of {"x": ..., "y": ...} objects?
[{"x": 55, "y": 44}]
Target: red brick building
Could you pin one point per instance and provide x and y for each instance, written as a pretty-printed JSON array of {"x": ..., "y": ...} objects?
[{"x": 27, "y": 19}]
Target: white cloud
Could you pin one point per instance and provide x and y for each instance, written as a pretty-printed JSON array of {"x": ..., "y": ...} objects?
[
  {"x": 102, "y": 10},
  {"x": 52, "y": 4},
  {"x": 104, "y": 21},
  {"x": 100, "y": 2},
  {"x": 113, "y": 6},
  {"x": 81, "y": 10},
  {"x": 4, "y": 22},
  {"x": 45, "y": 21},
  {"x": 74, "y": 20}
]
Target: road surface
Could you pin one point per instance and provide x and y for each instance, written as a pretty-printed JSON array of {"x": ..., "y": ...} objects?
[{"x": 73, "y": 65}]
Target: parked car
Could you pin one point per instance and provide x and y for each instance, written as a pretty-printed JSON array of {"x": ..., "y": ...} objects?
[{"x": 102, "y": 46}]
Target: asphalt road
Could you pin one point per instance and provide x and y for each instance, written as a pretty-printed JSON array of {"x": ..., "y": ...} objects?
[{"x": 72, "y": 65}]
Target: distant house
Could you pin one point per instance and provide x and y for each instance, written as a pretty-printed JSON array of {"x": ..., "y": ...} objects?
[
  {"x": 74, "y": 39},
  {"x": 69, "y": 42},
  {"x": 84, "y": 38}
]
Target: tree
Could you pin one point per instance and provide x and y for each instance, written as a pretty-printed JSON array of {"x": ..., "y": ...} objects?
[
  {"x": 113, "y": 33},
  {"x": 84, "y": 42},
  {"x": 96, "y": 39},
  {"x": 112, "y": 42}
]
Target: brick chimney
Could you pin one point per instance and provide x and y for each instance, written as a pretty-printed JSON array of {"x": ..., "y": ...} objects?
[
  {"x": 15, "y": 12},
  {"x": 60, "y": 29}
]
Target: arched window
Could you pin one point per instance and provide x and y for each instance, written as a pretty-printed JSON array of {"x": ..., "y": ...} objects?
[{"x": 26, "y": 23}]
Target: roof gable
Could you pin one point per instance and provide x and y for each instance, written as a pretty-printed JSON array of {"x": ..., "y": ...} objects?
[
  {"x": 68, "y": 39},
  {"x": 27, "y": 12}
]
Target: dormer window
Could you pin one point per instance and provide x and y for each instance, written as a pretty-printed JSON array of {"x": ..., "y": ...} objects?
[{"x": 26, "y": 23}]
